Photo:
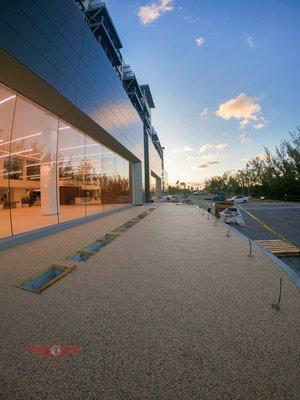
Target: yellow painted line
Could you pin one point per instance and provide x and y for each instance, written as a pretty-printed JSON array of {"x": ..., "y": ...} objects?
[{"x": 266, "y": 226}]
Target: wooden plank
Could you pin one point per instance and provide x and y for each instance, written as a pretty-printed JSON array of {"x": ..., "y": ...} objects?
[{"x": 279, "y": 248}]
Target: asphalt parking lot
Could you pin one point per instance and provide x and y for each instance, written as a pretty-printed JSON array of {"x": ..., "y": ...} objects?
[{"x": 281, "y": 218}]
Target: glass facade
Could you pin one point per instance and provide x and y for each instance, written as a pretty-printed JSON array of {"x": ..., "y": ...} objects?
[
  {"x": 152, "y": 187},
  {"x": 50, "y": 172}
]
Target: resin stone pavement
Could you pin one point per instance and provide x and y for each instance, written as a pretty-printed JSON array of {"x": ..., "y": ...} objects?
[{"x": 172, "y": 309}]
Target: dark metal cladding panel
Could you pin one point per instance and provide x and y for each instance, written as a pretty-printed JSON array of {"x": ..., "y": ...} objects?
[
  {"x": 29, "y": 29},
  {"x": 95, "y": 51},
  {"x": 15, "y": 45},
  {"x": 62, "y": 23},
  {"x": 100, "y": 83},
  {"x": 53, "y": 41},
  {"x": 101, "y": 113},
  {"x": 69, "y": 11}
]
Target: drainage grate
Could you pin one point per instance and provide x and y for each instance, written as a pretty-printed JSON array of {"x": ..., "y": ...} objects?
[
  {"x": 84, "y": 254},
  {"x": 109, "y": 237},
  {"x": 132, "y": 222},
  {"x": 94, "y": 247},
  {"x": 79, "y": 256},
  {"x": 143, "y": 215},
  {"x": 123, "y": 228},
  {"x": 120, "y": 230},
  {"x": 38, "y": 283}
]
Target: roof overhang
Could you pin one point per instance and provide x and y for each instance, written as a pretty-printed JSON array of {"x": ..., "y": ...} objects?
[{"x": 148, "y": 95}]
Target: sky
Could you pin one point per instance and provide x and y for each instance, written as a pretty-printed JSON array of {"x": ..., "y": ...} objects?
[{"x": 224, "y": 74}]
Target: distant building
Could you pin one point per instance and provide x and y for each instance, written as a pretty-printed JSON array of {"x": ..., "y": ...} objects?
[{"x": 76, "y": 136}]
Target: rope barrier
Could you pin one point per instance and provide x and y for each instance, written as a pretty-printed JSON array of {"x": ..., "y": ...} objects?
[{"x": 266, "y": 226}]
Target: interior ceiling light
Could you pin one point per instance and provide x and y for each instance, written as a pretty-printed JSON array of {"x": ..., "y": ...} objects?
[
  {"x": 78, "y": 147},
  {"x": 21, "y": 138},
  {"x": 7, "y": 99},
  {"x": 18, "y": 152}
]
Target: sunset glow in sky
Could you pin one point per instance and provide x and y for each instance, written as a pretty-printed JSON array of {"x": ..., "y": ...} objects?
[{"x": 224, "y": 76}]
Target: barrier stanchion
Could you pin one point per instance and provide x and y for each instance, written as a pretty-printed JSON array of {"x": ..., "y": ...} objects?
[
  {"x": 277, "y": 305},
  {"x": 250, "y": 249}
]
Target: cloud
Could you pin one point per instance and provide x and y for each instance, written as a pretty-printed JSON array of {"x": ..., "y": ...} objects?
[
  {"x": 251, "y": 42},
  {"x": 191, "y": 19},
  {"x": 210, "y": 157},
  {"x": 213, "y": 162},
  {"x": 151, "y": 12},
  {"x": 244, "y": 123},
  {"x": 182, "y": 149},
  {"x": 189, "y": 158},
  {"x": 244, "y": 138},
  {"x": 206, "y": 165},
  {"x": 260, "y": 125},
  {"x": 210, "y": 146},
  {"x": 204, "y": 113},
  {"x": 221, "y": 146},
  {"x": 243, "y": 107},
  {"x": 206, "y": 147},
  {"x": 200, "y": 41}
]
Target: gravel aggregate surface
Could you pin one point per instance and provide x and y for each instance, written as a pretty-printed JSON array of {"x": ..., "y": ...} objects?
[{"x": 171, "y": 309}]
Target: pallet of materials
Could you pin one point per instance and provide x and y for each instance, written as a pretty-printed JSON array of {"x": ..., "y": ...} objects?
[
  {"x": 279, "y": 248},
  {"x": 217, "y": 207}
]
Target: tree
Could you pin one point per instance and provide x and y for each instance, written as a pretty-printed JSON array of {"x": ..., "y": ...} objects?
[{"x": 273, "y": 175}]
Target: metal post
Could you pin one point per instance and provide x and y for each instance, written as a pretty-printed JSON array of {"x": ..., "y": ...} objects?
[
  {"x": 250, "y": 250},
  {"x": 278, "y": 304}
]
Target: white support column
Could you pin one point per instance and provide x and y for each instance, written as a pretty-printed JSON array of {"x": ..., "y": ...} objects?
[
  {"x": 137, "y": 183},
  {"x": 158, "y": 188},
  {"x": 49, "y": 181}
]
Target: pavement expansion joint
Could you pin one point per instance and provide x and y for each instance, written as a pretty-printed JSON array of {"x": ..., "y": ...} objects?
[
  {"x": 43, "y": 280},
  {"x": 84, "y": 253},
  {"x": 38, "y": 283}
]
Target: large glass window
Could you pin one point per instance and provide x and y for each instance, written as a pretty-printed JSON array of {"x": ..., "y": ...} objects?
[
  {"x": 51, "y": 172},
  {"x": 107, "y": 179},
  {"x": 93, "y": 172},
  {"x": 32, "y": 164},
  {"x": 7, "y": 105},
  {"x": 126, "y": 186},
  {"x": 71, "y": 168},
  {"x": 152, "y": 187},
  {"x": 118, "y": 180}
]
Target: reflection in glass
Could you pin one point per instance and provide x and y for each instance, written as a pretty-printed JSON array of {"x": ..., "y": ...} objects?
[
  {"x": 118, "y": 180},
  {"x": 71, "y": 172},
  {"x": 7, "y": 104},
  {"x": 51, "y": 172},
  {"x": 126, "y": 187},
  {"x": 107, "y": 178},
  {"x": 152, "y": 187},
  {"x": 93, "y": 172},
  {"x": 32, "y": 167}
]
